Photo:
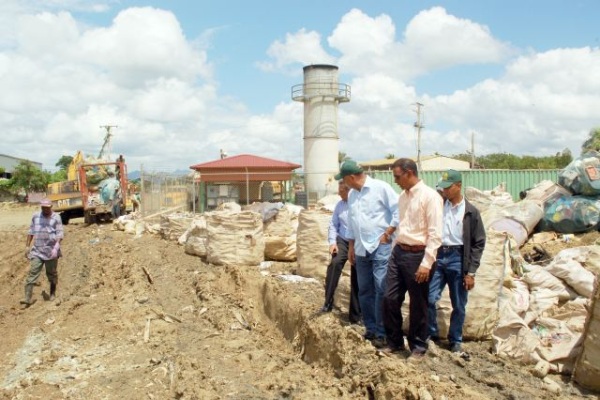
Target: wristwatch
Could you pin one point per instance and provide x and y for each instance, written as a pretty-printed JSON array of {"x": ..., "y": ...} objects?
[{"x": 471, "y": 274}]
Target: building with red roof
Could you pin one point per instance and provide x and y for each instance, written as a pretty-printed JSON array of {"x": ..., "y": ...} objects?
[{"x": 243, "y": 178}]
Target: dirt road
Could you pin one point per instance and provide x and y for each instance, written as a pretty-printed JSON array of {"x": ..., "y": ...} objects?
[{"x": 137, "y": 318}]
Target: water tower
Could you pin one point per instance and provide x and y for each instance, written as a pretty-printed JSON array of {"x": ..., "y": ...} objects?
[{"x": 321, "y": 93}]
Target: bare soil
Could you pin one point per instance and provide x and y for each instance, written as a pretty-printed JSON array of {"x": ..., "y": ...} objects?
[{"x": 137, "y": 318}]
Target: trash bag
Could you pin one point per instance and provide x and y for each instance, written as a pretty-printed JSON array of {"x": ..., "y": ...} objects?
[
  {"x": 582, "y": 175},
  {"x": 571, "y": 214}
]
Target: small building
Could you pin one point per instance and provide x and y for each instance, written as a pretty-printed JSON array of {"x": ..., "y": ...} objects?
[
  {"x": 435, "y": 162},
  {"x": 8, "y": 163},
  {"x": 243, "y": 179}
]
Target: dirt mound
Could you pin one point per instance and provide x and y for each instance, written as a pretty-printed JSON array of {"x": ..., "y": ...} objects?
[{"x": 137, "y": 318}]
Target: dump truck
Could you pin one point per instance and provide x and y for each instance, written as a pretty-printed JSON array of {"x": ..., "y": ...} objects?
[{"x": 80, "y": 195}]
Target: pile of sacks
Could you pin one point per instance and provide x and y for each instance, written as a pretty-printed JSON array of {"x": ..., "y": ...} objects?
[
  {"x": 231, "y": 235},
  {"x": 539, "y": 314}
]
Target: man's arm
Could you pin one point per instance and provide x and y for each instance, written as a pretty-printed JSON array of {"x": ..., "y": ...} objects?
[
  {"x": 434, "y": 211},
  {"x": 477, "y": 241}
]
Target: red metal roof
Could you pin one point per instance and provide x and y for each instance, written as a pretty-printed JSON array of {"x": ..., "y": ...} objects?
[{"x": 246, "y": 161}]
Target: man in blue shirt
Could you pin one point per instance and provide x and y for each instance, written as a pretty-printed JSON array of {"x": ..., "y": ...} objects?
[
  {"x": 372, "y": 220},
  {"x": 338, "y": 249}
]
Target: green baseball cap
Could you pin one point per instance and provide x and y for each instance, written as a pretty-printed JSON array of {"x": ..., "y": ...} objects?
[
  {"x": 449, "y": 178},
  {"x": 348, "y": 167}
]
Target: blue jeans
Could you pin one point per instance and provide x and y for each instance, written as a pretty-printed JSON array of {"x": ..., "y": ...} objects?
[
  {"x": 448, "y": 271},
  {"x": 371, "y": 271}
]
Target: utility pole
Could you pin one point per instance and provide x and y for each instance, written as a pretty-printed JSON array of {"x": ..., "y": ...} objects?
[
  {"x": 472, "y": 149},
  {"x": 106, "y": 145},
  {"x": 419, "y": 126}
]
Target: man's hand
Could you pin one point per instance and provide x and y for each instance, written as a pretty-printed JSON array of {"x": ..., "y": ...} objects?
[
  {"x": 54, "y": 253},
  {"x": 469, "y": 282},
  {"x": 27, "y": 251},
  {"x": 422, "y": 275},
  {"x": 333, "y": 249},
  {"x": 385, "y": 238}
]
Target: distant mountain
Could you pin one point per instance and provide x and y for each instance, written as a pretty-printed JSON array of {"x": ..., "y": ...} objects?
[{"x": 133, "y": 175}]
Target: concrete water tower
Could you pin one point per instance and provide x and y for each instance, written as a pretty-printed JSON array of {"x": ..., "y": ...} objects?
[{"x": 321, "y": 93}]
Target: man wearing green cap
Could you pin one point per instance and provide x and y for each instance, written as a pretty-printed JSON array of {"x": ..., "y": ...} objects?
[
  {"x": 372, "y": 220},
  {"x": 463, "y": 241}
]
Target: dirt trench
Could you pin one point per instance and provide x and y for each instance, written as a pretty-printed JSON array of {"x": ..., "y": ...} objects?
[{"x": 137, "y": 318}]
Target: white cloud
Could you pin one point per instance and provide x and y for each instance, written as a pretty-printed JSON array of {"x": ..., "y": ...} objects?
[
  {"x": 62, "y": 79},
  {"x": 434, "y": 39},
  {"x": 302, "y": 47}
]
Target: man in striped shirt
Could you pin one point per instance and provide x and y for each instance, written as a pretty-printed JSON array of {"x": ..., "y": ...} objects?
[{"x": 46, "y": 233}]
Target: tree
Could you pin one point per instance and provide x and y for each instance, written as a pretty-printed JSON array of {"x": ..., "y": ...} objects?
[
  {"x": 64, "y": 162},
  {"x": 29, "y": 178},
  {"x": 390, "y": 156},
  {"x": 342, "y": 157},
  {"x": 592, "y": 143},
  {"x": 58, "y": 176}
]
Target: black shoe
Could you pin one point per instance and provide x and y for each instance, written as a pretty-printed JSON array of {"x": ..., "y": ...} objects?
[
  {"x": 435, "y": 339},
  {"x": 325, "y": 309},
  {"x": 379, "y": 342},
  {"x": 455, "y": 348},
  {"x": 416, "y": 356},
  {"x": 392, "y": 349},
  {"x": 370, "y": 336},
  {"x": 28, "y": 303}
]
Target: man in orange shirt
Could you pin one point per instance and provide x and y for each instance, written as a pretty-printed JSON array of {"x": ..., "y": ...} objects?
[{"x": 418, "y": 237}]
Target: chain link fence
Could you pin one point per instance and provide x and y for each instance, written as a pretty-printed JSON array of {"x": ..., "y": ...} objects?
[{"x": 161, "y": 192}]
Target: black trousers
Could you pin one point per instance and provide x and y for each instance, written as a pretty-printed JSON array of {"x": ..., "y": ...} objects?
[
  {"x": 401, "y": 279},
  {"x": 334, "y": 271}
]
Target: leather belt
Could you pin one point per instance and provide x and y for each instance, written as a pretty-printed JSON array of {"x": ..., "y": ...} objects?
[
  {"x": 417, "y": 248},
  {"x": 448, "y": 248}
]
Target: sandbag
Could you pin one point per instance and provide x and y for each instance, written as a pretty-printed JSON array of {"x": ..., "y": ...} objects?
[
  {"x": 235, "y": 238},
  {"x": 196, "y": 246},
  {"x": 538, "y": 278},
  {"x": 172, "y": 226},
  {"x": 267, "y": 209},
  {"x": 587, "y": 366},
  {"x": 280, "y": 223},
  {"x": 484, "y": 199},
  {"x": 195, "y": 238},
  {"x": 312, "y": 248},
  {"x": 483, "y": 305},
  {"x": 546, "y": 192},
  {"x": 278, "y": 248},
  {"x": 567, "y": 267}
]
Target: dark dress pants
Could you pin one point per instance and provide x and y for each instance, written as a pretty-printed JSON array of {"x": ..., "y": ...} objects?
[
  {"x": 401, "y": 279},
  {"x": 334, "y": 271}
]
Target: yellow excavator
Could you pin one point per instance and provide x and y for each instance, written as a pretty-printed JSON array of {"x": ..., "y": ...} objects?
[{"x": 80, "y": 195}]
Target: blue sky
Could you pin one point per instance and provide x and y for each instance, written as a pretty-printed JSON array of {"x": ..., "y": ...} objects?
[{"x": 183, "y": 79}]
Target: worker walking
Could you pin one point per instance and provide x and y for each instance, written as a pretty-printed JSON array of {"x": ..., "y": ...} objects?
[{"x": 46, "y": 233}]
